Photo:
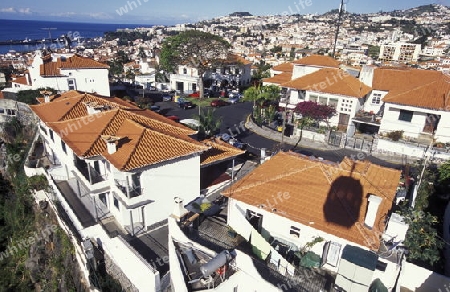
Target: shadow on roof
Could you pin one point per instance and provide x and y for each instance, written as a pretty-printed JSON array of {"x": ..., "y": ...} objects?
[{"x": 343, "y": 203}]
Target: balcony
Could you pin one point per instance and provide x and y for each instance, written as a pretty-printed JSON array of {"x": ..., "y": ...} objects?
[
  {"x": 88, "y": 172},
  {"x": 127, "y": 190}
]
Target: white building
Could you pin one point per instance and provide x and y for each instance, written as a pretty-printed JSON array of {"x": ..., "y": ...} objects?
[
  {"x": 235, "y": 71},
  {"x": 64, "y": 72},
  {"x": 411, "y": 100},
  {"x": 336, "y": 211},
  {"x": 403, "y": 52},
  {"x": 330, "y": 86},
  {"x": 124, "y": 162}
]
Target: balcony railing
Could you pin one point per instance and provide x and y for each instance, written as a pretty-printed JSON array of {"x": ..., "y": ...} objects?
[
  {"x": 89, "y": 173},
  {"x": 133, "y": 191}
]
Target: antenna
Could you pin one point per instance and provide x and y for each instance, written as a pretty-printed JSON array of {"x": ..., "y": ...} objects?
[
  {"x": 338, "y": 26},
  {"x": 49, "y": 33}
]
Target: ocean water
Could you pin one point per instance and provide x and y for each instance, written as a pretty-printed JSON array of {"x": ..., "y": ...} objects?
[{"x": 39, "y": 30}]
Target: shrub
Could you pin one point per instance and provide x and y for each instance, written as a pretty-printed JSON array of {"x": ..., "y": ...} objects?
[{"x": 395, "y": 135}]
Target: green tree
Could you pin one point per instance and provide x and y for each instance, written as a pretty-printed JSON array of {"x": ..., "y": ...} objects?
[
  {"x": 261, "y": 95},
  {"x": 29, "y": 96},
  {"x": 444, "y": 174},
  {"x": 209, "y": 123},
  {"x": 312, "y": 112},
  {"x": 198, "y": 49},
  {"x": 422, "y": 239}
]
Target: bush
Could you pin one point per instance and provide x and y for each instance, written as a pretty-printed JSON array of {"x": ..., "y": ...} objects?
[{"x": 395, "y": 135}]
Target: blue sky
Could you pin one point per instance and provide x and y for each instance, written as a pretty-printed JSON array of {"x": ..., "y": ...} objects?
[{"x": 182, "y": 11}]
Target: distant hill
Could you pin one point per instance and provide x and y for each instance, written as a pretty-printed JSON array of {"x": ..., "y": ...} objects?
[{"x": 240, "y": 14}]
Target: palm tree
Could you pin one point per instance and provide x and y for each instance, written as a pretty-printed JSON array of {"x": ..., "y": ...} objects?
[{"x": 209, "y": 124}]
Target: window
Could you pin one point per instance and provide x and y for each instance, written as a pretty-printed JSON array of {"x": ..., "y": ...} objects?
[
  {"x": 51, "y": 135},
  {"x": 313, "y": 97},
  {"x": 102, "y": 198},
  {"x": 63, "y": 146},
  {"x": 184, "y": 71},
  {"x": 405, "y": 115},
  {"x": 43, "y": 130},
  {"x": 331, "y": 253},
  {"x": 2, "y": 110},
  {"x": 10, "y": 112},
  {"x": 116, "y": 203},
  {"x": 72, "y": 84},
  {"x": 323, "y": 100},
  {"x": 333, "y": 102},
  {"x": 295, "y": 231},
  {"x": 376, "y": 98}
]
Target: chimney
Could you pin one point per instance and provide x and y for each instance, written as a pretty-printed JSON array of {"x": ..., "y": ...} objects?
[
  {"x": 372, "y": 210},
  {"x": 179, "y": 210},
  {"x": 46, "y": 95},
  {"x": 263, "y": 155},
  {"x": 111, "y": 144}
]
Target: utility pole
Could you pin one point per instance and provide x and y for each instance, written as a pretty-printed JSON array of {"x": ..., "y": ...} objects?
[
  {"x": 337, "y": 28},
  {"x": 425, "y": 163},
  {"x": 287, "y": 96}
]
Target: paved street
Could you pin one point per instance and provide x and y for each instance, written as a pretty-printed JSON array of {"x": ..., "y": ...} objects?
[{"x": 236, "y": 114}]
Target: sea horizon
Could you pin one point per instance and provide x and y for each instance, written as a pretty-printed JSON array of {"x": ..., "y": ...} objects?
[{"x": 39, "y": 30}]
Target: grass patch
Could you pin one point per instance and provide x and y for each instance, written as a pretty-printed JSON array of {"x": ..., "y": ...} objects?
[{"x": 201, "y": 102}]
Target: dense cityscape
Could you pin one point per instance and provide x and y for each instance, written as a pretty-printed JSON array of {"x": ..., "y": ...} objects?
[{"x": 287, "y": 152}]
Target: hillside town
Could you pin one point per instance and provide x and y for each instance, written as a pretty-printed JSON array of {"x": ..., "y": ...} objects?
[{"x": 287, "y": 152}]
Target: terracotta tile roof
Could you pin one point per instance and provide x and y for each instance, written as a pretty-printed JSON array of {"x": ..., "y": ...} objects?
[
  {"x": 326, "y": 196},
  {"x": 432, "y": 95},
  {"x": 78, "y": 62},
  {"x": 279, "y": 78},
  {"x": 318, "y": 60},
  {"x": 219, "y": 151},
  {"x": 148, "y": 138},
  {"x": 401, "y": 78},
  {"x": 139, "y": 147},
  {"x": 72, "y": 105},
  {"x": 234, "y": 59},
  {"x": 53, "y": 68},
  {"x": 21, "y": 80},
  {"x": 50, "y": 69},
  {"x": 330, "y": 80},
  {"x": 285, "y": 67}
]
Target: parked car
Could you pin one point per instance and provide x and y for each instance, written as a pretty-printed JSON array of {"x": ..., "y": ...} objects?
[
  {"x": 167, "y": 97},
  {"x": 219, "y": 102},
  {"x": 195, "y": 94},
  {"x": 174, "y": 118},
  {"x": 238, "y": 144},
  {"x": 234, "y": 100},
  {"x": 185, "y": 104},
  {"x": 235, "y": 94},
  {"x": 155, "y": 108}
]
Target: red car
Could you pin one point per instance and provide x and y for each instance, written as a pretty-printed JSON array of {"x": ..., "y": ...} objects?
[
  {"x": 174, "y": 118},
  {"x": 219, "y": 102},
  {"x": 195, "y": 94}
]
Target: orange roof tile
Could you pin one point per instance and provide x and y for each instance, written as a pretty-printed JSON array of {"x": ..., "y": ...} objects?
[
  {"x": 21, "y": 80},
  {"x": 78, "y": 62},
  {"x": 326, "y": 196},
  {"x": 279, "y": 78},
  {"x": 285, "y": 67},
  {"x": 149, "y": 138},
  {"x": 139, "y": 147},
  {"x": 53, "y": 68},
  {"x": 432, "y": 95},
  {"x": 218, "y": 152},
  {"x": 401, "y": 78},
  {"x": 330, "y": 80},
  {"x": 318, "y": 60}
]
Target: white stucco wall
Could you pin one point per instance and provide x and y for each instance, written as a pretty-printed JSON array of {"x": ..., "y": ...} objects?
[
  {"x": 300, "y": 71},
  {"x": 390, "y": 121},
  {"x": 373, "y": 107}
]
